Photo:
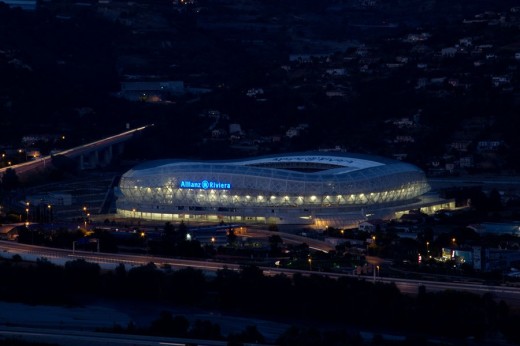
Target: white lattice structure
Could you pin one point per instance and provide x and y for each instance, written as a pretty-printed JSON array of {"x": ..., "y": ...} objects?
[{"x": 289, "y": 188}]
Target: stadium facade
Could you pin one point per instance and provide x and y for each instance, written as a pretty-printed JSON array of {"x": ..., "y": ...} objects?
[{"x": 312, "y": 188}]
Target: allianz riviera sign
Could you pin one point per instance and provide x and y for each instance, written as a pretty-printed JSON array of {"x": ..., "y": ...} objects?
[{"x": 205, "y": 184}]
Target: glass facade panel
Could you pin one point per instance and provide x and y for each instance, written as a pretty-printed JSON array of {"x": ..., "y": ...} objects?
[{"x": 218, "y": 189}]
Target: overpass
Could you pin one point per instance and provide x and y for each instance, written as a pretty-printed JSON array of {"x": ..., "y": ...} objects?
[{"x": 90, "y": 155}]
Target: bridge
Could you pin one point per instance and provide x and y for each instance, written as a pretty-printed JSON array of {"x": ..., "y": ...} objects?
[{"x": 90, "y": 155}]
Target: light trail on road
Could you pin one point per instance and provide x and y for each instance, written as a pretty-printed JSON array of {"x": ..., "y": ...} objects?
[{"x": 510, "y": 295}]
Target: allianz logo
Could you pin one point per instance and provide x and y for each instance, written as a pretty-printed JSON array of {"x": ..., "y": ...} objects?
[{"x": 205, "y": 184}]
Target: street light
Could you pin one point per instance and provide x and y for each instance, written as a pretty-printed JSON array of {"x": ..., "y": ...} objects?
[
  {"x": 86, "y": 220},
  {"x": 427, "y": 247},
  {"x": 86, "y": 216},
  {"x": 373, "y": 242},
  {"x": 49, "y": 212},
  {"x": 310, "y": 263}
]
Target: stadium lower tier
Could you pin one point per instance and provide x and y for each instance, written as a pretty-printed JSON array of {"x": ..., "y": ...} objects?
[
  {"x": 298, "y": 188},
  {"x": 318, "y": 217}
]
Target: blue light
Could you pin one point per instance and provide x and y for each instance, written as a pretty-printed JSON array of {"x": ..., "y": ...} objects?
[{"x": 205, "y": 184}]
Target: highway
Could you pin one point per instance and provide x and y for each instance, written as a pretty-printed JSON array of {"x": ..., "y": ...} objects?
[
  {"x": 41, "y": 163},
  {"x": 105, "y": 260},
  {"x": 511, "y": 295},
  {"x": 88, "y": 338}
]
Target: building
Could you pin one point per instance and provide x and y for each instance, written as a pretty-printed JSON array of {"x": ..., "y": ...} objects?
[
  {"x": 315, "y": 188},
  {"x": 484, "y": 259},
  {"x": 154, "y": 91},
  {"x": 9, "y": 232}
]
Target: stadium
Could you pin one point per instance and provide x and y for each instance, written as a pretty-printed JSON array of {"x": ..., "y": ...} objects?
[{"x": 314, "y": 188}]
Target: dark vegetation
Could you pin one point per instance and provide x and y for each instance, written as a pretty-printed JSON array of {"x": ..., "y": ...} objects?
[
  {"x": 59, "y": 75},
  {"x": 303, "y": 300},
  {"x": 61, "y": 67}
]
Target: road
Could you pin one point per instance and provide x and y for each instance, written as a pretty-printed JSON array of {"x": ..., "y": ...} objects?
[
  {"x": 106, "y": 260},
  {"x": 88, "y": 338},
  {"x": 511, "y": 295},
  {"x": 41, "y": 163}
]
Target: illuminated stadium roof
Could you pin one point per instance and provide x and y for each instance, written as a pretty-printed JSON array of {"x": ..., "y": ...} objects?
[{"x": 288, "y": 182}]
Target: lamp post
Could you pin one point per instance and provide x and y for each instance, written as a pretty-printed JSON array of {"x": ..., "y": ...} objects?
[
  {"x": 49, "y": 213},
  {"x": 373, "y": 242},
  {"x": 86, "y": 220},
  {"x": 27, "y": 204},
  {"x": 85, "y": 216},
  {"x": 310, "y": 263}
]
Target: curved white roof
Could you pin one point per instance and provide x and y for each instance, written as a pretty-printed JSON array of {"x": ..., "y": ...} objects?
[
  {"x": 352, "y": 163},
  {"x": 295, "y": 175}
]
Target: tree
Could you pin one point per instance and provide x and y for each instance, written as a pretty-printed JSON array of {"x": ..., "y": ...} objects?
[
  {"x": 10, "y": 180},
  {"x": 16, "y": 258},
  {"x": 82, "y": 276},
  {"x": 204, "y": 329},
  {"x": 182, "y": 231},
  {"x": 231, "y": 236},
  {"x": 146, "y": 281},
  {"x": 186, "y": 286},
  {"x": 167, "y": 325},
  {"x": 274, "y": 242},
  {"x": 249, "y": 335},
  {"x": 495, "y": 201}
]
